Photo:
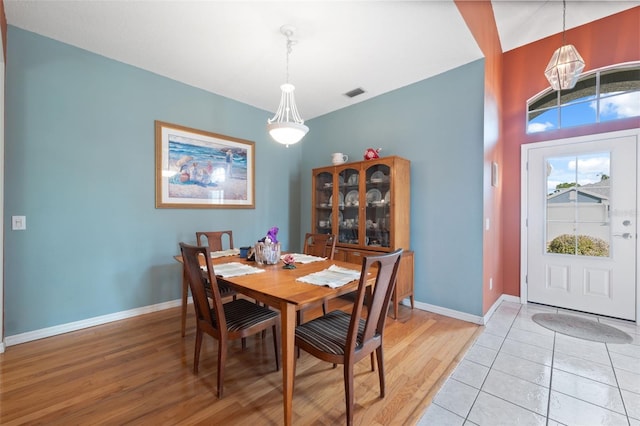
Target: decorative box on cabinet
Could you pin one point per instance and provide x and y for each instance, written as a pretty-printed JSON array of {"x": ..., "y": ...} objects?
[{"x": 367, "y": 205}]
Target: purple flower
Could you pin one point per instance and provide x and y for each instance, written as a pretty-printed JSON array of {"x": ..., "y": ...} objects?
[{"x": 272, "y": 234}]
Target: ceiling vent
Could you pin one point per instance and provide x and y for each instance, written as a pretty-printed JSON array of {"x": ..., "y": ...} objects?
[{"x": 355, "y": 92}]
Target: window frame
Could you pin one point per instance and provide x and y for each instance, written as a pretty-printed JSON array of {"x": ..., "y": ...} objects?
[{"x": 566, "y": 98}]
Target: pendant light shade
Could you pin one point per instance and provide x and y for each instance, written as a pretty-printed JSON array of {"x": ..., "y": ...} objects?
[
  {"x": 287, "y": 127},
  {"x": 565, "y": 68},
  {"x": 566, "y": 64}
]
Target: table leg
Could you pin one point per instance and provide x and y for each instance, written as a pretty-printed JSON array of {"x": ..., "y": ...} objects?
[
  {"x": 288, "y": 329},
  {"x": 185, "y": 291}
]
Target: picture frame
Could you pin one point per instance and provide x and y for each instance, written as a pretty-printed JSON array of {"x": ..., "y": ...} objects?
[{"x": 196, "y": 169}]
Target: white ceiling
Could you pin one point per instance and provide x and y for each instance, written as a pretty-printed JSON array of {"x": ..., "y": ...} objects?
[{"x": 235, "y": 48}]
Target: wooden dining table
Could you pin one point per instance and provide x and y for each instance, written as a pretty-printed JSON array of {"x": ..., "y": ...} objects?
[{"x": 277, "y": 287}]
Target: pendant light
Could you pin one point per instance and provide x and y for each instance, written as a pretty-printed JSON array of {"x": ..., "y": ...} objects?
[
  {"x": 286, "y": 127},
  {"x": 566, "y": 63}
]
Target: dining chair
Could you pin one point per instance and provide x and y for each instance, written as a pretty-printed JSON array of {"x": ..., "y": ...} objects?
[
  {"x": 233, "y": 320},
  {"x": 345, "y": 338},
  {"x": 216, "y": 240},
  {"x": 321, "y": 245}
]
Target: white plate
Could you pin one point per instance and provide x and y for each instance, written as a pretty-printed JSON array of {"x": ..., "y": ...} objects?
[
  {"x": 340, "y": 197},
  {"x": 340, "y": 180},
  {"x": 387, "y": 197},
  {"x": 373, "y": 195},
  {"x": 377, "y": 176},
  {"x": 353, "y": 179},
  {"x": 351, "y": 198},
  {"x": 340, "y": 218}
]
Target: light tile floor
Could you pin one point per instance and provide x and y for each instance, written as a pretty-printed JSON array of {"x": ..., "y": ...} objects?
[{"x": 519, "y": 373}]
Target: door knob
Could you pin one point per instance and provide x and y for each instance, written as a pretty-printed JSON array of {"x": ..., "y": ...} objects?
[{"x": 626, "y": 235}]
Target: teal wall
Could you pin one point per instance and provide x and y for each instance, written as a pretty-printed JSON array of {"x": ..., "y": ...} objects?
[
  {"x": 80, "y": 165},
  {"x": 438, "y": 125}
]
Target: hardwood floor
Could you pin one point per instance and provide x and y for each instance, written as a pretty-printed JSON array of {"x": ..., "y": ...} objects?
[{"x": 139, "y": 371}]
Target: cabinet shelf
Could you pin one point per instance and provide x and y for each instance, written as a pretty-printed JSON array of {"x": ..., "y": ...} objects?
[{"x": 373, "y": 219}]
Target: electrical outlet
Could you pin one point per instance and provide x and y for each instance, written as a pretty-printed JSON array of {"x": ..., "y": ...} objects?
[{"x": 18, "y": 223}]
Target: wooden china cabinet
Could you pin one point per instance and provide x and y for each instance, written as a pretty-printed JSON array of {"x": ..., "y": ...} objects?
[{"x": 367, "y": 205}]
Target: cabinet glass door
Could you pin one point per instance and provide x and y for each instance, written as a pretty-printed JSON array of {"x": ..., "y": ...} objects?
[
  {"x": 323, "y": 199},
  {"x": 378, "y": 197},
  {"x": 349, "y": 212}
]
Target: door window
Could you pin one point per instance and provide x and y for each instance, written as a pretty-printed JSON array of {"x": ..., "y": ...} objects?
[{"x": 577, "y": 205}]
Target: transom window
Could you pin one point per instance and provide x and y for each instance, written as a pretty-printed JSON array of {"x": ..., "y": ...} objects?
[{"x": 606, "y": 94}]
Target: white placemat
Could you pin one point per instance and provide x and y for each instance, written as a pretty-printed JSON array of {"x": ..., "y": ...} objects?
[
  {"x": 225, "y": 253},
  {"x": 304, "y": 258},
  {"x": 334, "y": 277},
  {"x": 234, "y": 269}
]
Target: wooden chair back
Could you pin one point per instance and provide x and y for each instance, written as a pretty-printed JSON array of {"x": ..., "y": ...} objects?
[
  {"x": 361, "y": 344},
  {"x": 215, "y": 240},
  {"x": 206, "y": 298},
  {"x": 322, "y": 245}
]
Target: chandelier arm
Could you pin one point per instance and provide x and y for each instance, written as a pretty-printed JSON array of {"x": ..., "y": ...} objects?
[{"x": 286, "y": 126}]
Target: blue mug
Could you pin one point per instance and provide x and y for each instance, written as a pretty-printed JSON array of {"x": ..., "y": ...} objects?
[{"x": 243, "y": 252}]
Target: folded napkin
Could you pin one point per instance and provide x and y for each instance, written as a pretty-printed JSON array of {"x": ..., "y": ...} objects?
[
  {"x": 304, "y": 258},
  {"x": 334, "y": 277},
  {"x": 224, "y": 253},
  {"x": 234, "y": 269}
]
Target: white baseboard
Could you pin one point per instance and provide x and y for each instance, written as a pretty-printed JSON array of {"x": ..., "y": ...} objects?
[
  {"x": 447, "y": 312},
  {"x": 480, "y": 320},
  {"x": 105, "y": 319},
  {"x": 502, "y": 298},
  {"x": 89, "y": 322}
]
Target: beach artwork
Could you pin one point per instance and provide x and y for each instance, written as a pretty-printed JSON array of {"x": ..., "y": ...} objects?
[{"x": 198, "y": 169}]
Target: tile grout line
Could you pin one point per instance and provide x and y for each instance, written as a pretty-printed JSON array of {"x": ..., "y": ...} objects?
[
  {"x": 492, "y": 362},
  {"x": 615, "y": 375},
  {"x": 553, "y": 358}
]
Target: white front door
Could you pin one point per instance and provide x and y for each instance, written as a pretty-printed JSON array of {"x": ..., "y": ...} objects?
[{"x": 581, "y": 224}]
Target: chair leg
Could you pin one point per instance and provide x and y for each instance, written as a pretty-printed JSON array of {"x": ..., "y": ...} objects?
[
  {"x": 264, "y": 332},
  {"x": 196, "y": 352},
  {"x": 276, "y": 345},
  {"x": 185, "y": 294},
  {"x": 380, "y": 369},
  {"x": 222, "y": 359},
  {"x": 348, "y": 390}
]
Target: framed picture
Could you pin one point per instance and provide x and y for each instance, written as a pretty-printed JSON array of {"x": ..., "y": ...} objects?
[{"x": 198, "y": 169}]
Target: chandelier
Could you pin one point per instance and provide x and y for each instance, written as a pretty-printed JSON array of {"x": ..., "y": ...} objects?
[
  {"x": 286, "y": 127},
  {"x": 566, "y": 63}
]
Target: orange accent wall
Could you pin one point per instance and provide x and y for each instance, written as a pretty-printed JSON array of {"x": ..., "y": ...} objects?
[
  {"x": 611, "y": 40},
  {"x": 480, "y": 20}
]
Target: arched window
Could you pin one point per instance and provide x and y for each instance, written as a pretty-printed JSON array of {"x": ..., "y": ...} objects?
[{"x": 605, "y": 94}]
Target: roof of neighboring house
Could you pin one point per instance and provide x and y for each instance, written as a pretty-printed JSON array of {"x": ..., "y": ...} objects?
[{"x": 592, "y": 192}]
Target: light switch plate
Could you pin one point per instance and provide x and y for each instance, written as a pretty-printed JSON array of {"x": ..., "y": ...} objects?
[{"x": 18, "y": 223}]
